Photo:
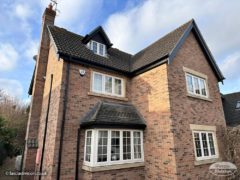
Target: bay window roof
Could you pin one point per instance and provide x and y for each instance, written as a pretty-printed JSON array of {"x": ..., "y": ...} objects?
[{"x": 113, "y": 115}]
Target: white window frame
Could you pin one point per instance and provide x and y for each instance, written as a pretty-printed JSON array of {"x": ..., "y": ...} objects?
[
  {"x": 103, "y": 91},
  {"x": 90, "y": 46},
  {"x": 210, "y": 156},
  {"x": 194, "y": 88},
  {"x": 238, "y": 105},
  {"x": 94, "y": 150}
]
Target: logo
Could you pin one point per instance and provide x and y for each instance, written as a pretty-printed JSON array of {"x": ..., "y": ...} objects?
[{"x": 223, "y": 169}]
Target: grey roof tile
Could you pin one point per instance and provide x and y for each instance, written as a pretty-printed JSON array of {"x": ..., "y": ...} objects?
[
  {"x": 232, "y": 115},
  {"x": 114, "y": 115},
  {"x": 71, "y": 44}
]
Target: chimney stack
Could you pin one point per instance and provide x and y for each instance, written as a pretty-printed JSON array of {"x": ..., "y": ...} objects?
[{"x": 37, "y": 91}]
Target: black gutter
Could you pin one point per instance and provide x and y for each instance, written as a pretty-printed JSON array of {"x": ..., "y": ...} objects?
[
  {"x": 108, "y": 68},
  {"x": 46, "y": 126},
  {"x": 77, "y": 155},
  {"x": 91, "y": 64},
  {"x": 63, "y": 122}
]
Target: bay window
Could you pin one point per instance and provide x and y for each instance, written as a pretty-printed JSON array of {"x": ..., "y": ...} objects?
[
  {"x": 107, "y": 147},
  {"x": 109, "y": 85}
]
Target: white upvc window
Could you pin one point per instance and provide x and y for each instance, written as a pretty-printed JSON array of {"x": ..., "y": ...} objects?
[
  {"x": 205, "y": 145},
  {"x": 238, "y": 105},
  {"x": 106, "y": 84},
  {"x": 196, "y": 85},
  {"x": 97, "y": 48},
  {"x": 113, "y": 146}
]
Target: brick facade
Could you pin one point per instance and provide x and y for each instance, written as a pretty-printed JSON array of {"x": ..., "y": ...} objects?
[
  {"x": 37, "y": 92},
  {"x": 159, "y": 94},
  {"x": 188, "y": 110}
]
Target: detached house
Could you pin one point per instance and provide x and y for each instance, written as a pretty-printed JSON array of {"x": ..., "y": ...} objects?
[{"x": 100, "y": 113}]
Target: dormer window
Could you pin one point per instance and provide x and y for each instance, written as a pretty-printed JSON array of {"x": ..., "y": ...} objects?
[
  {"x": 97, "y": 48},
  {"x": 238, "y": 105}
]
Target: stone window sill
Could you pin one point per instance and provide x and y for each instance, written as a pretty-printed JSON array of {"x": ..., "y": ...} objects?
[
  {"x": 206, "y": 161},
  {"x": 107, "y": 96},
  {"x": 112, "y": 167},
  {"x": 199, "y": 97}
]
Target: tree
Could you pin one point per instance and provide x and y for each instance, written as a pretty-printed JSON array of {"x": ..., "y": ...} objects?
[{"x": 13, "y": 122}]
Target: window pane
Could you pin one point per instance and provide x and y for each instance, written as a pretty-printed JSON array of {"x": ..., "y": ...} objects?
[
  {"x": 102, "y": 146},
  {"x": 88, "y": 146},
  {"x": 101, "y": 49},
  {"x": 94, "y": 47},
  {"x": 189, "y": 83},
  {"x": 118, "y": 86},
  {"x": 126, "y": 145},
  {"x": 211, "y": 144},
  {"x": 197, "y": 145},
  {"x": 137, "y": 145},
  {"x": 97, "y": 86},
  {"x": 203, "y": 88},
  {"x": 196, "y": 85},
  {"x": 238, "y": 105},
  {"x": 115, "y": 146},
  {"x": 205, "y": 145},
  {"x": 108, "y": 84}
]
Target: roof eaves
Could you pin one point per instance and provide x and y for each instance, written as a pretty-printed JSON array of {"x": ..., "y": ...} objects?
[
  {"x": 78, "y": 60},
  {"x": 181, "y": 40},
  {"x": 30, "y": 89}
]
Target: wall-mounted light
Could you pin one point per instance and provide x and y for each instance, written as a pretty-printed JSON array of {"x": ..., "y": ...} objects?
[{"x": 82, "y": 72}]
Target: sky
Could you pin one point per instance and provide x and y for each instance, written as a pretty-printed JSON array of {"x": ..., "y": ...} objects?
[{"x": 131, "y": 25}]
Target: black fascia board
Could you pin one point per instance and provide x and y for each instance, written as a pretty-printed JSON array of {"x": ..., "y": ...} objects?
[
  {"x": 203, "y": 45},
  {"x": 99, "y": 29},
  {"x": 94, "y": 124},
  {"x": 85, "y": 62}
]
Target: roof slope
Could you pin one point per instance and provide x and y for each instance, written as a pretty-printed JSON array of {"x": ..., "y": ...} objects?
[
  {"x": 72, "y": 46},
  {"x": 106, "y": 114},
  {"x": 232, "y": 115},
  {"x": 159, "y": 49}
]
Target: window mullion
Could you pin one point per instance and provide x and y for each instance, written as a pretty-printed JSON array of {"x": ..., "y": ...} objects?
[
  {"x": 113, "y": 82},
  {"x": 95, "y": 146},
  {"x": 132, "y": 149},
  {"x": 199, "y": 85},
  {"x": 142, "y": 153},
  {"x": 103, "y": 83},
  {"x": 201, "y": 144},
  {"x": 121, "y": 145},
  {"x": 208, "y": 144},
  {"x": 109, "y": 147},
  {"x": 193, "y": 83}
]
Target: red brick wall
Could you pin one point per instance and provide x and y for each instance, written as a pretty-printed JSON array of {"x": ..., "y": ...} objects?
[
  {"x": 54, "y": 67},
  {"x": 151, "y": 97},
  {"x": 187, "y": 110},
  {"x": 159, "y": 95},
  {"x": 37, "y": 90}
]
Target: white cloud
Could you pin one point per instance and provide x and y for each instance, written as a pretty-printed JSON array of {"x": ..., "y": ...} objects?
[
  {"x": 230, "y": 66},
  {"x": 11, "y": 87},
  {"x": 8, "y": 57},
  {"x": 135, "y": 28},
  {"x": 31, "y": 48},
  {"x": 23, "y": 11}
]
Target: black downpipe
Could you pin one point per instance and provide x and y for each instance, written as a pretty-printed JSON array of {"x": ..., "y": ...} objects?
[
  {"x": 77, "y": 155},
  {"x": 46, "y": 126},
  {"x": 63, "y": 122}
]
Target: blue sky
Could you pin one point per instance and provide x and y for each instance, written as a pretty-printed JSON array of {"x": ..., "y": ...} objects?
[{"x": 130, "y": 24}]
